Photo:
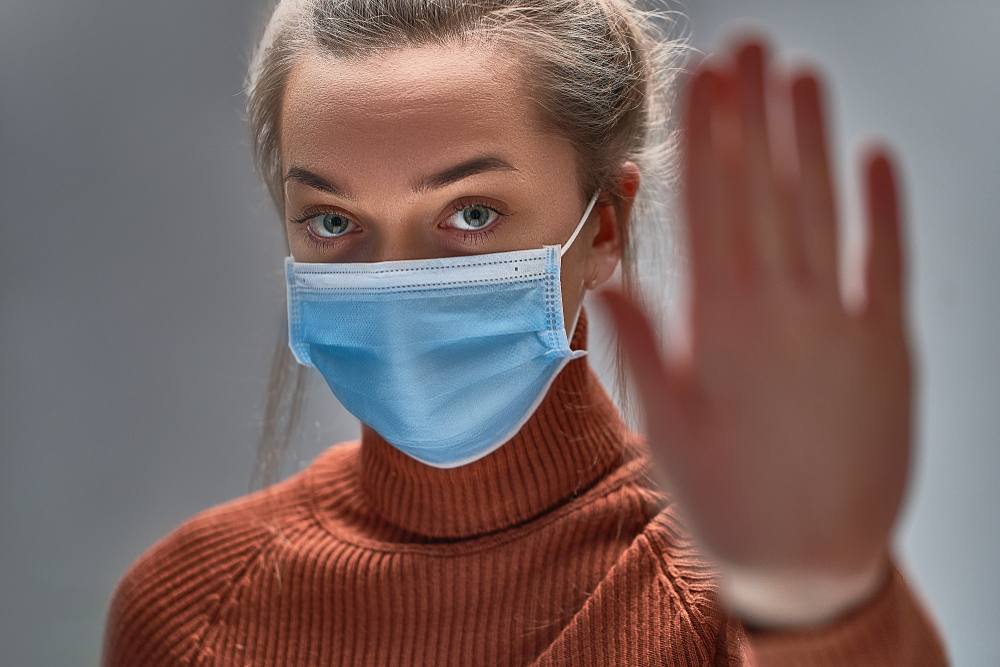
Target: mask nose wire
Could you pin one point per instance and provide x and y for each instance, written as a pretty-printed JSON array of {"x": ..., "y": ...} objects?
[{"x": 576, "y": 232}]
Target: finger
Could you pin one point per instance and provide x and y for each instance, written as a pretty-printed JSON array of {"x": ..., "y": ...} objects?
[
  {"x": 818, "y": 208},
  {"x": 702, "y": 186},
  {"x": 735, "y": 195},
  {"x": 758, "y": 172},
  {"x": 884, "y": 269}
]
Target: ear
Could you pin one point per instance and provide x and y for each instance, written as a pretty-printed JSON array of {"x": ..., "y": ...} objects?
[{"x": 606, "y": 249}]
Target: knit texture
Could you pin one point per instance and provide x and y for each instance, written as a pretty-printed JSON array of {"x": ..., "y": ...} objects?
[{"x": 553, "y": 550}]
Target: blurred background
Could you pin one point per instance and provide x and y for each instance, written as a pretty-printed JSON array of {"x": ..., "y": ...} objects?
[{"x": 141, "y": 289}]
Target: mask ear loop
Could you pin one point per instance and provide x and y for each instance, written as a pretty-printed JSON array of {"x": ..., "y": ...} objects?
[
  {"x": 586, "y": 214},
  {"x": 576, "y": 232}
]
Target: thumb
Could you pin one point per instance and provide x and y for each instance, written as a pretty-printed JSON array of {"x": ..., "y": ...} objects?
[{"x": 656, "y": 382}]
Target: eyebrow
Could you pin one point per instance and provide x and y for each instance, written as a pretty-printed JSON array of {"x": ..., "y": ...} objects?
[
  {"x": 315, "y": 181},
  {"x": 477, "y": 165}
]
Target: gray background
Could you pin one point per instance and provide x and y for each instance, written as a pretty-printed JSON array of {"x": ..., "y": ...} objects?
[{"x": 140, "y": 286}]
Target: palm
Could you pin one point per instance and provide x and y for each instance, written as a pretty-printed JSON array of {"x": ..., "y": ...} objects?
[{"x": 784, "y": 433}]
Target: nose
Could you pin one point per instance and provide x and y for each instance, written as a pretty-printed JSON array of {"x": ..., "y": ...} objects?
[{"x": 399, "y": 239}]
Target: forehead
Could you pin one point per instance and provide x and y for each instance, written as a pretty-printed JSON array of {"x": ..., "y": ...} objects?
[
  {"x": 402, "y": 80},
  {"x": 403, "y": 108}
]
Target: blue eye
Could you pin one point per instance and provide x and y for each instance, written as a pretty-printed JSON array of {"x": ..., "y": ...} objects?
[
  {"x": 473, "y": 218},
  {"x": 330, "y": 225}
]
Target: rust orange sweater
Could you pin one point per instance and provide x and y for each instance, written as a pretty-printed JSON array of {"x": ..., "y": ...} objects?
[{"x": 553, "y": 550}]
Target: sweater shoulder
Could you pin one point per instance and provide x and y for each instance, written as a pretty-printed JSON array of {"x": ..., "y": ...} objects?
[
  {"x": 657, "y": 604},
  {"x": 686, "y": 583},
  {"x": 667, "y": 545},
  {"x": 686, "y": 587},
  {"x": 175, "y": 591}
]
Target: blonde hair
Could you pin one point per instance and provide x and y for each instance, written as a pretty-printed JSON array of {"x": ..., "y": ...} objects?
[{"x": 603, "y": 74}]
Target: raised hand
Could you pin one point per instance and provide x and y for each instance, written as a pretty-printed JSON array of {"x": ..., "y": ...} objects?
[{"x": 784, "y": 433}]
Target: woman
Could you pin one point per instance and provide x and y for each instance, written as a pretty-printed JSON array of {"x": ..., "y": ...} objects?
[{"x": 453, "y": 177}]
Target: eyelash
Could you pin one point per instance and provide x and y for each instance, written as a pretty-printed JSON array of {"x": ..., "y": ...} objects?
[
  {"x": 311, "y": 239},
  {"x": 474, "y": 237},
  {"x": 469, "y": 237}
]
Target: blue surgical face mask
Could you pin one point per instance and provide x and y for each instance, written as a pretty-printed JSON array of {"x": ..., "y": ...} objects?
[{"x": 445, "y": 358}]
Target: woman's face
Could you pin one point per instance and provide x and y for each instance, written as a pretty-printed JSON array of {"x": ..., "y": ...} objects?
[{"x": 431, "y": 152}]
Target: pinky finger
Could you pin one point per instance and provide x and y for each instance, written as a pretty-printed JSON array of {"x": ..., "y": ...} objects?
[{"x": 884, "y": 270}]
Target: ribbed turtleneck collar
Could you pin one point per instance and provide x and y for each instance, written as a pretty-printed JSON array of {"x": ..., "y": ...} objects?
[{"x": 573, "y": 439}]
